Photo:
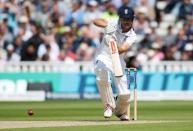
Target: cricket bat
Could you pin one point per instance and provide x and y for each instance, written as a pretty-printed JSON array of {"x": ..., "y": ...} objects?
[{"x": 115, "y": 57}]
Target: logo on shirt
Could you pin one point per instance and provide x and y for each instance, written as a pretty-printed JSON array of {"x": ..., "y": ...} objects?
[{"x": 126, "y": 11}]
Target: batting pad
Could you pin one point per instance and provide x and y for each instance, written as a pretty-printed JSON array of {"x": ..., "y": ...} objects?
[
  {"x": 104, "y": 87},
  {"x": 121, "y": 84},
  {"x": 122, "y": 104}
]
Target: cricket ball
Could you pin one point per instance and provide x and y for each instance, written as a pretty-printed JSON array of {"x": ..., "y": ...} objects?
[{"x": 30, "y": 112}]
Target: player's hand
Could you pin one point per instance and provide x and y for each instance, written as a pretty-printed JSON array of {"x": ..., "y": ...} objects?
[{"x": 107, "y": 38}]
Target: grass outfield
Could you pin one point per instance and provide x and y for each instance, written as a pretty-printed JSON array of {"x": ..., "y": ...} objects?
[{"x": 174, "y": 115}]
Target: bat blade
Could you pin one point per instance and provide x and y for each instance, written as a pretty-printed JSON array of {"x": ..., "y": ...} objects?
[{"x": 115, "y": 58}]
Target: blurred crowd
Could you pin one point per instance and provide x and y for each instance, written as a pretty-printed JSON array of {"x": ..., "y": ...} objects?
[{"x": 62, "y": 30}]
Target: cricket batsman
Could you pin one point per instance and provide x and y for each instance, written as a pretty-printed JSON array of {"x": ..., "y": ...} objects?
[{"x": 121, "y": 30}]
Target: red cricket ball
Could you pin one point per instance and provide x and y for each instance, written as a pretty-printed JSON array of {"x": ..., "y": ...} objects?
[{"x": 30, "y": 112}]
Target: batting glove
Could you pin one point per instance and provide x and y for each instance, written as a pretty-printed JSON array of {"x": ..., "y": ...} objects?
[
  {"x": 107, "y": 38},
  {"x": 109, "y": 29}
]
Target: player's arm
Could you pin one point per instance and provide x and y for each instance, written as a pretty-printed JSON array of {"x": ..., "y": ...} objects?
[
  {"x": 127, "y": 44},
  {"x": 100, "y": 22},
  {"x": 124, "y": 47}
]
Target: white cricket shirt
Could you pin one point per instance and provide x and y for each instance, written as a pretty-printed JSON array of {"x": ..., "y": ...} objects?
[{"x": 103, "y": 52}]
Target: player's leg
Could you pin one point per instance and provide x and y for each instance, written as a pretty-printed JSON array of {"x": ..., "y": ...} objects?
[
  {"x": 123, "y": 99},
  {"x": 104, "y": 87}
]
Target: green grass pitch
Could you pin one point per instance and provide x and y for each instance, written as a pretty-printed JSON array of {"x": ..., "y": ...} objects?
[{"x": 91, "y": 110}]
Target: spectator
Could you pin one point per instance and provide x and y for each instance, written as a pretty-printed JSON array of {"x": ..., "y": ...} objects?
[
  {"x": 42, "y": 15},
  {"x": 146, "y": 41},
  {"x": 152, "y": 30},
  {"x": 187, "y": 54},
  {"x": 75, "y": 14},
  {"x": 141, "y": 22},
  {"x": 181, "y": 40},
  {"x": 68, "y": 51},
  {"x": 144, "y": 4},
  {"x": 28, "y": 52},
  {"x": 11, "y": 55},
  {"x": 2, "y": 54},
  {"x": 87, "y": 45},
  {"x": 91, "y": 11},
  {"x": 172, "y": 53},
  {"x": 45, "y": 57},
  {"x": 170, "y": 37},
  {"x": 36, "y": 36},
  {"x": 171, "y": 4},
  {"x": 55, "y": 14},
  {"x": 158, "y": 55},
  {"x": 24, "y": 27},
  {"x": 10, "y": 11},
  {"x": 18, "y": 43},
  {"x": 188, "y": 28},
  {"x": 142, "y": 56},
  {"x": 28, "y": 10},
  {"x": 186, "y": 10},
  {"x": 5, "y": 36},
  {"x": 159, "y": 9},
  {"x": 50, "y": 46},
  {"x": 110, "y": 12}
]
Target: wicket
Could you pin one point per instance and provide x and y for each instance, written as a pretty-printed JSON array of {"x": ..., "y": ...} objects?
[{"x": 128, "y": 73}]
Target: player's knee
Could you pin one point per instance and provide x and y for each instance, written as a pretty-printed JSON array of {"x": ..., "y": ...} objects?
[
  {"x": 102, "y": 75},
  {"x": 102, "y": 83}
]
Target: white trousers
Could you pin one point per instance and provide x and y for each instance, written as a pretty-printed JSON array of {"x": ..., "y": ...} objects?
[
  {"x": 104, "y": 82},
  {"x": 119, "y": 82}
]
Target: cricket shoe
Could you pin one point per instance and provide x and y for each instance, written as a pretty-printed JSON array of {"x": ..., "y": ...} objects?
[
  {"x": 108, "y": 111},
  {"x": 123, "y": 117}
]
